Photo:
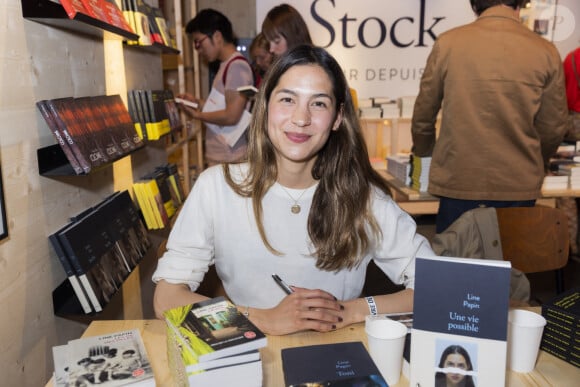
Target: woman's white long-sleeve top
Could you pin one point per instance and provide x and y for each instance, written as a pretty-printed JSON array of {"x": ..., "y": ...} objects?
[{"x": 217, "y": 226}]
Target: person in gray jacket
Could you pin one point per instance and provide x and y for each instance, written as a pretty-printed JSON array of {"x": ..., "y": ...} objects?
[{"x": 501, "y": 90}]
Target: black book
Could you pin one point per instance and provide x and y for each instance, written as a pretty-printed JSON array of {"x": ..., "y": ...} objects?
[
  {"x": 70, "y": 272},
  {"x": 99, "y": 126},
  {"x": 126, "y": 126},
  {"x": 562, "y": 331},
  {"x": 71, "y": 123},
  {"x": 337, "y": 364},
  {"x": 88, "y": 248},
  {"x": 59, "y": 136}
]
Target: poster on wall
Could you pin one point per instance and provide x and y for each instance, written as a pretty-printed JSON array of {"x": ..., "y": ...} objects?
[
  {"x": 540, "y": 16},
  {"x": 3, "y": 226}
]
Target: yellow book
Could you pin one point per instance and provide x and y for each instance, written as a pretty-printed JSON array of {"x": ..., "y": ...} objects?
[{"x": 145, "y": 206}]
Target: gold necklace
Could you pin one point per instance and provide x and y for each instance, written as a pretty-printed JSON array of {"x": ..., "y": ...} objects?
[{"x": 295, "y": 209}]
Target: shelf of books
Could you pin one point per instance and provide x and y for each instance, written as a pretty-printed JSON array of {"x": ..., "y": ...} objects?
[
  {"x": 139, "y": 24},
  {"x": 91, "y": 132},
  {"x": 73, "y": 15},
  {"x": 98, "y": 250}
]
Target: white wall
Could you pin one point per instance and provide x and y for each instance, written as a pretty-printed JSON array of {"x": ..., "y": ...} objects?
[{"x": 392, "y": 67}]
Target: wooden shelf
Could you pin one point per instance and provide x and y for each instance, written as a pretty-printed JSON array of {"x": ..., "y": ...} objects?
[{"x": 53, "y": 14}]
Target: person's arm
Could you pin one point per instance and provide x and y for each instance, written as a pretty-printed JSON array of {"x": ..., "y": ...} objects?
[
  {"x": 168, "y": 296},
  {"x": 427, "y": 106},
  {"x": 235, "y": 106},
  {"x": 551, "y": 120}
]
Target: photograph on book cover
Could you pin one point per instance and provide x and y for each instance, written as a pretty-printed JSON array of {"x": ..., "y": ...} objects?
[
  {"x": 456, "y": 363},
  {"x": 3, "y": 225}
]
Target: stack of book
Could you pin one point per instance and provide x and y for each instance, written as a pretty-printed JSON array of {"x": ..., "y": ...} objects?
[
  {"x": 154, "y": 112},
  {"x": 370, "y": 112},
  {"x": 420, "y": 173},
  {"x": 555, "y": 182},
  {"x": 572, "y": 170},
  {"x": 159, "y": 195},
  {"x": 407, "y": 104},
  {"x": 91, "y": 131},
  {"x": 400, "y": 167},
  {"x": 116, "y": 359},
  {"x": 98, "y": 250},
  {"x": 561, "y": 335},
  {"x": 211, "y": 343},
  {"x": 391, "y": 109}
]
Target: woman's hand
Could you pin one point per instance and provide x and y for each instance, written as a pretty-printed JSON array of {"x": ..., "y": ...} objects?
[{"x": 304, "y": 309}]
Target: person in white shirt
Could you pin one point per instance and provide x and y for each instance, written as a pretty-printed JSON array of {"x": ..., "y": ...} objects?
[{"x": 307, "y": 205}]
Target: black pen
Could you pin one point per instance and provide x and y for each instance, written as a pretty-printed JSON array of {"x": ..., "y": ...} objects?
[{"x": 282, "y": 284}]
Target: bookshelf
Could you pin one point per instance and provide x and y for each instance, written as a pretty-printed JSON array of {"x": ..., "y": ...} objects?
[
  {"x": 53, "y": 14},
  {"x": 125, "y": 66}
]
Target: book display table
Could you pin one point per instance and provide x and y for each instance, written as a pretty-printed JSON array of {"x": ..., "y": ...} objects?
[
  {"x": 549, "y": 371},
  {"x": 422, "y": 203}
]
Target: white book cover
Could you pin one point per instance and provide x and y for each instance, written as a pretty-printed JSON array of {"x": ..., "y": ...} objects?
[
  {"x": 115, "y": 359},
  {"x": 459, "y": 332}
]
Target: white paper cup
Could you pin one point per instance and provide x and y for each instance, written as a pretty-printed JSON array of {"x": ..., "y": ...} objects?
[
  {"x": 525, "y": 330},
  {"x": 386, "y": 340}
]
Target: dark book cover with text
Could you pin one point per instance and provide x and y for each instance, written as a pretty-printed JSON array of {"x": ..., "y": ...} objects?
[{"x": 337, "y": 364}]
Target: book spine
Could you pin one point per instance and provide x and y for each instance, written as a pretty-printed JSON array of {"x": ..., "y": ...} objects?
[
  {"x": 91, "y": 294},
  {"x": 64, "y": 260},
  {"x": 66, "y": 147}
]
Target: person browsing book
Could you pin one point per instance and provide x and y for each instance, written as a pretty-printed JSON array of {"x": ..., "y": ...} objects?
[
  {"x": 225, "y": 110},
  {"x": 285, "y": 29},
  {"x": 260, "y": 53},
  {"x": 307, "y": 205}
]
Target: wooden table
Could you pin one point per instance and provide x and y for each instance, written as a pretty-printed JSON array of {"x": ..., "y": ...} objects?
[
  {"x": 423, "y": 203},
  {"x": 549, "y": 371}
]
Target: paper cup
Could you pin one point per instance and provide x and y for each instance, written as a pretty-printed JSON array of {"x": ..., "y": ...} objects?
[
  {"x": 525, "y": 330},
  {"x": 386, "y": 340}
]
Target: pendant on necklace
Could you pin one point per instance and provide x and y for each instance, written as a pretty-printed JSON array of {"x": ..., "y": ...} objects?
[{"x": 295, "y": 208}]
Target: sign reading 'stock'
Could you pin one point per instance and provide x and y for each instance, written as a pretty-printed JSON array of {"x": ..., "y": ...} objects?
[{"x": 382, "y": 45}]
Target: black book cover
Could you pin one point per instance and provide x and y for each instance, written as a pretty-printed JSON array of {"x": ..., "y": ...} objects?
[
  {"x": 99, "y": 126},
  {"x": 118, "y": 110},
  {"x": 337, "y": 364},
  {"x": 70, "y": 272},
  {"x": 85, "y": 145},
  {"x": 53, "y": 126},
  {"x": 90, "y": 249}
]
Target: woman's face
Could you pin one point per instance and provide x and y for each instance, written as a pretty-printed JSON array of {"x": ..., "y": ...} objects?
[
  {"x": 279, "y": 45},
  {"x": 458, "y": 361},
  {"x": 262, "y": 58},
  {"x": 301, "y": 114}
]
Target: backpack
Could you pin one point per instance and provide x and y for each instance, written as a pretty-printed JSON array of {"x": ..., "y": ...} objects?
[{"x": 256, "y": 75}]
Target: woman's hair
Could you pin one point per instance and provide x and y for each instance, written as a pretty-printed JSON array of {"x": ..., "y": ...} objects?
[
  {"x": 207, "y": 21},
  {"x": 284, "y": 20},
  {"x": 459, "y": 350},
  {"x": 479, "y": 6},
  {"x": 260, "y": 41},
  {"x": 341, "y": 225}
]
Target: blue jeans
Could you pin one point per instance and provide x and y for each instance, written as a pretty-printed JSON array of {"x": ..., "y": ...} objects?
[{"x": 451, "y": 209}]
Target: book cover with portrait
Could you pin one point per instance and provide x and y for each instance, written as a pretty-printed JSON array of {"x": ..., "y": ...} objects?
[{"x": 460, "y": 324}]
